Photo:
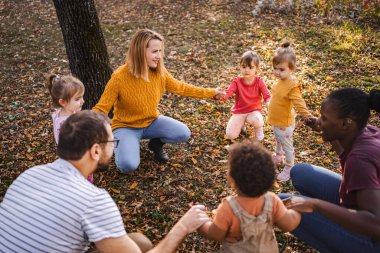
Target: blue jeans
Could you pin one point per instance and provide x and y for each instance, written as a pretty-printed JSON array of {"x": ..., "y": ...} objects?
[
  {"x": 316, "y": 230},
  {"x": 127, "y": 154}
]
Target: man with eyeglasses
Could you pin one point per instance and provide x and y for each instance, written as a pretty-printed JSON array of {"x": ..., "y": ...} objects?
[{"x": 53, "y": 208}]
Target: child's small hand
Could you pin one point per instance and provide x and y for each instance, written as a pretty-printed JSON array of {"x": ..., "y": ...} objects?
[
  {"x": 219, "y": 93},
  {"x": 312, "y": 122}
]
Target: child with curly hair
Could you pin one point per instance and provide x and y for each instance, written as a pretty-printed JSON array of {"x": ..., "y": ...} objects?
[{"x": 244, "y": 223}]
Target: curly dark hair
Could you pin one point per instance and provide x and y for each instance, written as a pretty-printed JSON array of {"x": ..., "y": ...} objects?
[{"x": 251, "y": 166}]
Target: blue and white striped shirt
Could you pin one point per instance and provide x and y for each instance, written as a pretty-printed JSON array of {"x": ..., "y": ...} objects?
[{"x": 53, "y": 208}]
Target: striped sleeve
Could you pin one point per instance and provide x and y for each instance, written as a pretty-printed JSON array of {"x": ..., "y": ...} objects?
[{"x": 102, "y": 219}]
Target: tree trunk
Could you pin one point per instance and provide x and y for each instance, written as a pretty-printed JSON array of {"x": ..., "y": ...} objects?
[{"x": 85, "y": 46}]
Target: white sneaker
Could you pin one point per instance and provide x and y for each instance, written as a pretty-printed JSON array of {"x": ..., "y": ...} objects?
[{"x": 285, "y": 174}]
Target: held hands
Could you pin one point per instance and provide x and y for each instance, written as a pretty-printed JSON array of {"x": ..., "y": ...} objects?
[
  {"x": 302, "y": 205},
  {"x": 219, "y": 93},
  {"x": 312, "y": 122},
  {"x": 194, "y": 218}
]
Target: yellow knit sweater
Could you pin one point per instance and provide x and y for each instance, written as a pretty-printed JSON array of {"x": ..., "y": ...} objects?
[
  {"x": 286, "y": 94},
  {"x": 135, "y": 100}
]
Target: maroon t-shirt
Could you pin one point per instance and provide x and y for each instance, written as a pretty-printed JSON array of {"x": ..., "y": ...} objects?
[{"x": 360, "y": 166}]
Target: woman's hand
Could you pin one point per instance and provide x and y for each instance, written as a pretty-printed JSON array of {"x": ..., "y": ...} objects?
[
  {"x": 312, "y": 122},
  {"x": 219, "y": 93},
  {"x": 303, "y": 205}
]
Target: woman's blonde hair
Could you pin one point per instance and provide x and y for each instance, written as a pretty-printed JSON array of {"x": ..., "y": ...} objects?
[
  {"x": 285, "y": 53},
  {"x": 136, "y": 59},
  {"x": 63, "y": 87}
]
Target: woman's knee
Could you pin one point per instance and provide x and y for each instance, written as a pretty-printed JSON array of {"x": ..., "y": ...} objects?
[
  {"x": 183, "y": 134},
  {"x": 127, "y": 165},
  {"x": 299, "y": 173}
]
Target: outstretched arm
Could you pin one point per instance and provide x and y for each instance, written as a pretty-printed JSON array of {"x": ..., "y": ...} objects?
[
  {"x": 193, "y": 219},
  {"x": 298, "y": 102},
  {"x": 184, "y": 89},
  {"x": 289, "y": 221},
  {"x": 212, "y": 232},
  {"x": 365, "y": 220}
]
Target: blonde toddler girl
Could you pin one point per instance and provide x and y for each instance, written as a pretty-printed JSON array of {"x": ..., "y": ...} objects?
[{"x": 286, "y": 94}]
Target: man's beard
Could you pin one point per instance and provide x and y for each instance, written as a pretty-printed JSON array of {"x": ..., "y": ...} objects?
[{"x": 103, "y": 164}]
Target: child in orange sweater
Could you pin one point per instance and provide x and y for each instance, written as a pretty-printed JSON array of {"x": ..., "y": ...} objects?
[
  {"x": 286, "y": 94},
  {"x": 244, "y": 223}
]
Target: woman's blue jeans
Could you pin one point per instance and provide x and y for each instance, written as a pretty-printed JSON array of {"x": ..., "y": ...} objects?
[
  {"x": 127, "y": 154},
  {"x": 316, "y": 230}
]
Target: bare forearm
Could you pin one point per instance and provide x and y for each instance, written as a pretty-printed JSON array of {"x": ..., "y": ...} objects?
[
  {"x": 289, "y": 221},
  {"x": 210, "y": 231},
  {"x": 362, "y": 222},
  {"x": 171, "y": 241},
  {"x": 205, "y": 231}
]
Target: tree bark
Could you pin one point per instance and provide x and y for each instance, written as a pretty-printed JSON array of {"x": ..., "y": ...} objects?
[{"x": 85, "y": 46}]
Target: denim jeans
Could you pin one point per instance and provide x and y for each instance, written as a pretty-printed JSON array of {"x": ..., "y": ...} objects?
[
  {"x": 316, "y": 230},
  {"x": 127, "y": 154}
]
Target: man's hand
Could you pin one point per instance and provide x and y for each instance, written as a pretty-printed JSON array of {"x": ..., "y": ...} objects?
[{"x": 194, "y": 218}]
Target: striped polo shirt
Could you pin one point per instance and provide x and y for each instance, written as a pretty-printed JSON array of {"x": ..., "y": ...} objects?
[{"x": 53, "y": 208}]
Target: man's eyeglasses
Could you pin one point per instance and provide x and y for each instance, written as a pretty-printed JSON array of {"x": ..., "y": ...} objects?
[{"x": 115, "y": 142}]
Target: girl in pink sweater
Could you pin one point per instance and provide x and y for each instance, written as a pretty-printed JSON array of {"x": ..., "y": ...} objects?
[{"x": 250, "y": 91}]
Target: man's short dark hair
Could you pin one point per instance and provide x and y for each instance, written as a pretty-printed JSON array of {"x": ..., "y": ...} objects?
[
  {"x": 251, "y": 167},
  {"x": 80, "y": 132}
]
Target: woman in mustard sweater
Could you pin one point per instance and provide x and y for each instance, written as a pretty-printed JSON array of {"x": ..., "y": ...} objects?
[{"x": 135, "y": 90}]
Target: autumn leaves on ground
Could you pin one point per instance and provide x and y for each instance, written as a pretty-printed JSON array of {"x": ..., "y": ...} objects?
[{"x": 204, "y": 40}]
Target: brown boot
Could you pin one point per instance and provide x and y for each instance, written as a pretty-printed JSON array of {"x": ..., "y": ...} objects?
[{"x": 159, "y": 154}]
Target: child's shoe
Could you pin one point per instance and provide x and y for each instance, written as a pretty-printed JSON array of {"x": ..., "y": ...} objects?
[
  {"x": 278, "y": 160},
  {"x": 285, "y": 174}
]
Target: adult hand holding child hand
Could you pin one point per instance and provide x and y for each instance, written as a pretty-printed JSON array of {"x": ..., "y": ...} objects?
[
  {"x": 194, "y": 218},
  {"x": 219, "y": 93},
  {"x": 303, "y": 205},
  {"x": 312, "y": 122}
]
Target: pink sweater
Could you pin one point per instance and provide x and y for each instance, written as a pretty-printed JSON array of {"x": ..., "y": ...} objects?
[{"x": 249, "y": 97}]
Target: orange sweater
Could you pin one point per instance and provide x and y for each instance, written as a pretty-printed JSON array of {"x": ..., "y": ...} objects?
[
  {"x": 135, "y": 100},
  {"x": 286, "y": 94}
]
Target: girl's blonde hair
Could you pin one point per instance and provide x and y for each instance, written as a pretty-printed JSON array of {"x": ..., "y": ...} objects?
[
  {"x": 248, "y": 57},
  {"x": 285, "y": 53},
  {"x": 63, "y": 87},
  {"x": 136, "y": 59}
]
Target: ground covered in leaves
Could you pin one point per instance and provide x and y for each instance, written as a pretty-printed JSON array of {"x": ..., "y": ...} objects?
[{"x": 204, "y": 40}]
